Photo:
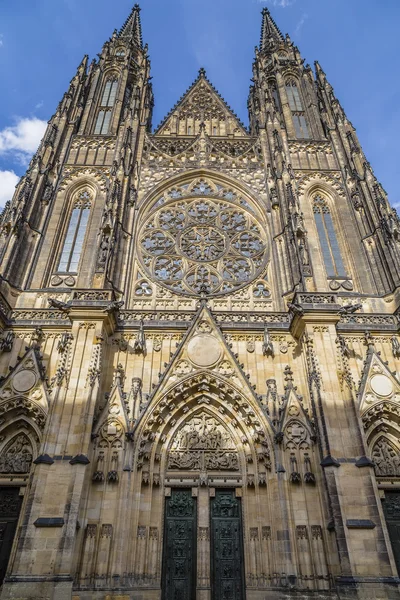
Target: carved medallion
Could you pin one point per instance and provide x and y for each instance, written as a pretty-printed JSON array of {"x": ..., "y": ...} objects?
[
  {"x": 204, "y": 350},
  {"x": 24, "y": 380},
  {"x": 381, "y": 385}
]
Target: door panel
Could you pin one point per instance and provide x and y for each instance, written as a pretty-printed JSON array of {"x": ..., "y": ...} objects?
[
  {"x": 179, "y": 562},
  {"x": 391, "y": 508},
  {"x": 227, "y": 581},
  {"x": 10, "y": 506}
]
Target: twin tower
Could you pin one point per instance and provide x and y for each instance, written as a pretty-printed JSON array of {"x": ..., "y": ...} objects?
[{"x": 199, "y": 356}]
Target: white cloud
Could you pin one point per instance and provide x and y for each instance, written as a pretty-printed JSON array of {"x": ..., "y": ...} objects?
[
  {"x": 8, "y": 181},
  {"x": 281, "y": 3},
  {"x": 300, "y": 24},
  {"x": 22, "y": 139}
]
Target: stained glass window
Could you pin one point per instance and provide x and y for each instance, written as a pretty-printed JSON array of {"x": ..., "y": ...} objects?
[
  {"x": 298, "y": 113},
  {"x": 74, "y": 239},
  {"x": 327, "y": 238},
  {"x": 106, "y": 105}
]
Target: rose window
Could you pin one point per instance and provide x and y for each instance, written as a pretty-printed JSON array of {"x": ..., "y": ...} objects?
[{"x": 202, "y": 245}]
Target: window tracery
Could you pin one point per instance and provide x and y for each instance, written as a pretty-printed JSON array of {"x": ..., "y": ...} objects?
[
  {"x": 74, "y": 239},
  {"x": 202, "y": 238},
  {"x": 106, "y": 106},
  {"x": 298, "y": 113},
  {"x": 327, "y": 237}
]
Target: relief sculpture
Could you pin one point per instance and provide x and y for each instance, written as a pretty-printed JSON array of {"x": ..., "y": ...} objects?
[
  {"x": 386, "y": 459},
  {"x": 17, "y": 457},
  {"x": 203, "y": 444}
]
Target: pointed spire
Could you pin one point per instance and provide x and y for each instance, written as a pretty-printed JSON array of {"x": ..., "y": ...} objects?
[
  {"x": 132, "y": 29},
  {"x": 270, "y": 32}
]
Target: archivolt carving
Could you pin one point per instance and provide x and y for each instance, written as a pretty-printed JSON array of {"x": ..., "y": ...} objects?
[
  {"x": 99, "y": 175},
  {"x": 306, "y": 180},
  {"x": 181, "y": 403}
]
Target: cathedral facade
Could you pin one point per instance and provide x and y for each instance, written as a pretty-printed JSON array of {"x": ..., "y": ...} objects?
[{"x": 199, "y": 356}]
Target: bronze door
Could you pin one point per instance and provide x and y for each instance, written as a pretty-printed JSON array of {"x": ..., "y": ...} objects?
[
  {"x": 391, "y": 508},
  {"x": 10, "y": 506},
  {"x": 227, "y": 581},
  {"x": 179, "y": 562}
]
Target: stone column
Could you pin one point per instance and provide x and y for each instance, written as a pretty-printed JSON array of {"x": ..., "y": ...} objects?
[{"x": 203, "y": 544}]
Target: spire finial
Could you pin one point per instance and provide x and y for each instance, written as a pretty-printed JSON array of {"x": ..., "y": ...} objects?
[
  {"x": 132, "y": 28},
  {"x": 202, "y": 72},
  {"x": 270, "y": 32}
]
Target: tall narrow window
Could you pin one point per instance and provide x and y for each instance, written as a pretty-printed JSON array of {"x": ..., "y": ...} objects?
[
  {"x": 298, "y": 113},
  {"x": 73, "y": 243},
  {"x": 327, "y": 238},
  {"x": 106, "y": 106}
]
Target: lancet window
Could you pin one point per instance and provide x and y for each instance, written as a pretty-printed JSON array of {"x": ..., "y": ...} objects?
[
  {"x": 106, "y": 107},
  {"x": 298, "y": 113},
  {"x": 73, "y": 243},
  {"x": 327, "y": 238}
]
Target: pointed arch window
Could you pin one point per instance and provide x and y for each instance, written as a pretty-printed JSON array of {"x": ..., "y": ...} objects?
[
  {"x": 327, "y": 238},
  {"x": 298, "y": 113},
  {"x": 73, "y": 244},
  {"x": 106, "y": 106}
]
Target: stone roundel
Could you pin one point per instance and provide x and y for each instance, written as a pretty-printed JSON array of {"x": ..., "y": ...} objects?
[
  {"x": 204, "y": 350},
  {"x": 24, "y": 380},
  {"x": 381, "y": 385}
]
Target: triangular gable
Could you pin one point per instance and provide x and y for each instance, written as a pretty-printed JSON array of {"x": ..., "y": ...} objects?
[
  {"x": 203, "y": 348},
  {"x": 377, "y": 384},
  {"x": 27, "y": 378},
  {"x": 292, "y": 410},
  {"x": 201, "y": 105},
  {"x": 113, "y": 415}
]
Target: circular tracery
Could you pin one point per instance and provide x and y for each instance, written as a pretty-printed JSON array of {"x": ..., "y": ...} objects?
[{"x": 202, "y": 244}]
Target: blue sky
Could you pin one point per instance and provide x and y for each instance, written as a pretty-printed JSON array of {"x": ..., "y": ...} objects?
[{"x": 357, "y": 43}]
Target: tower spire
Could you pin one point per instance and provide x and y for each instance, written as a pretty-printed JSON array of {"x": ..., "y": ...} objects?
[
  {"x": 270, "y": 32},
  {"x": 132, "y": 29}
]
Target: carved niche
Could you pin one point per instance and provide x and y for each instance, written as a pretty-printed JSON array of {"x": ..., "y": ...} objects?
[
  {"x": 386, "y": 459},
  {"x": 17, "y": 456},
  {"x": 203, "y": 444}
]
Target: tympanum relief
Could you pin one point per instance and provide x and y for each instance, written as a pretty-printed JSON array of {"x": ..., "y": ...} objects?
[{"x": 203, "y": 444}]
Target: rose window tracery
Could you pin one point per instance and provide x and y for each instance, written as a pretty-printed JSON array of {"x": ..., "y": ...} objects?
[{"x": 194, "y": 245}]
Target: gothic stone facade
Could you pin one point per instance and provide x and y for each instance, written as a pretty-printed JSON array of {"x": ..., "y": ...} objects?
[{"x": 200, "y": 393}]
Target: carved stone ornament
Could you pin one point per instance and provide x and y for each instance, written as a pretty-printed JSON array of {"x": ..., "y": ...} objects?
[
  {"x": 17, "y": 456},
  {"x": 386, "y": 459},
  {"x": 203, "y": 444}
]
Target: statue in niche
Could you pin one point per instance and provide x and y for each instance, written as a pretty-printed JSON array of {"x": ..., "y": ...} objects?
[
  {"x": 17, "y": 456},
  {"x": 387, "y": 461}
]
